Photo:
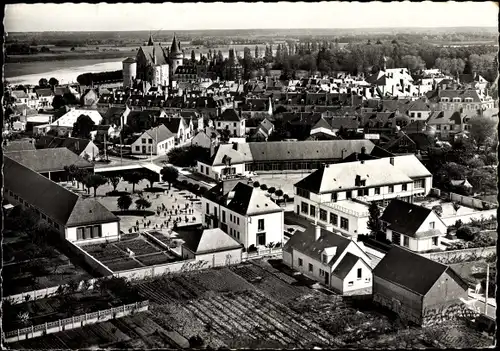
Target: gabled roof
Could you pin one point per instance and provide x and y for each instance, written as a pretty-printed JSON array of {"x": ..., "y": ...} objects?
[
  {"x": 404, "y": 217},
  {"x": 306, "y": 243},
  {"x": 229, "y": 115},
  {"x": 19, "y": 145},
  {"x": 45, "y": 92},
  {"x": 19, "y": 94},
  {"x": 69, "y": 119},
  {"x": 150, "y": 52},
  {"x": 76, "y": 145},
  {"x": 60, "y": 204},
  {"x": 322, "y": 123},
  {"x": 343, "y": 122},
  {"x": 160, "y": 133},
  {"x": 412, "y": 271},
  {"x": 48, "y": 160},
  {"x": 238, "y": 153},
  {"x": 342, "y": 176},
  {"x": 172, "y": 123},
  {"x": 346, "y": 265},
  {"x": 242, "y": 198},
  {"x": 208, "y": 241}
]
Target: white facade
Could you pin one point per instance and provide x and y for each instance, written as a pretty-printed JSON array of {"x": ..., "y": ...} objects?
[
  {"x": 145, "y": 145},
  {"x": 350, "y": 282},
  {"x": 237, "y": 128},
  {"x": 248, "y": 230},
  {"x": 218, "y": 172},
  {"x": 108, "y": 232}
]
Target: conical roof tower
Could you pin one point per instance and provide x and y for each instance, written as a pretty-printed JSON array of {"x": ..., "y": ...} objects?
[{"x": 150, "y": 41}]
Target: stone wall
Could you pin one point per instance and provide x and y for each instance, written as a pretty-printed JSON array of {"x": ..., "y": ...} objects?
[
  {"x": 439, "y": 314},
  {"x": 456, "y": 256},
  {"x": 404, "y": 312}
]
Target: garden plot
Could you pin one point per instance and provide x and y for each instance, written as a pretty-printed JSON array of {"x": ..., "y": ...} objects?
[
  {"x": 108, "y": 252},
  {"x": 158, "y": 258},
  {"x": 137, "y": 246},
  {"x": 122, "y": 264}
]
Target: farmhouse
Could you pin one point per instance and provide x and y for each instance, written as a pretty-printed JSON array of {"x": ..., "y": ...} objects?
[
  {"x": 76, "y": 219},
  {"x": 414, "y": 227},
  {"x": 338, "y": 194},
  {"x": 244, "y": 213},
  {"x": 211, "y": 245},
  {"x": 333, "y": 260},
  {"x": 411, "y": 285}
]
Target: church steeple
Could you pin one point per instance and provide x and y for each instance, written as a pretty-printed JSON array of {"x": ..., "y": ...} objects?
[
  {"x": 175, "y": 46},
  {"x": 150, "y": 41}
]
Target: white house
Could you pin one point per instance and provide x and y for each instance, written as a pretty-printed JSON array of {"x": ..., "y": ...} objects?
[
  {"x": 243, "y": 212},
  {"x": 336, "y": 261},
  {"x": 232, "y": 121},
  {"x": 339, "y": 194},
  {"x": 78, "y": 220},
  {"x": 212, "y": 245},
  {"x": 226, "y": 161},
  {"x": 155, "y": 141},
  {"x": 45, "y": 97},
  {"x": 65, "y": 123},
  {"x": 415, "y": 227}
]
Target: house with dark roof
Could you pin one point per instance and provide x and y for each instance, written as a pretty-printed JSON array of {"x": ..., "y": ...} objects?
[
  {"x": 414, "y": 227},
  {"x": 155, "y": 141},
  {"x": 231, "y": 120},
  {"x": 339, "y": 194},
  {"x": 414, "y": 286},
  {"x": 82, "y": 147},
  {"x": 243, "y": 212},
  {"x": 45, "y": 97},
  {"x": 50, "y": 162},
  {"x": 18, "y": 145},
  {"x": 206, "y": 138},
  {"x": 330, "y": 258},
  {"x": 212, "y": 245},
  {"x": 265, "y": 128},
  {"x": 447, "y": 124},
  {"x": 77, "y": 219}
]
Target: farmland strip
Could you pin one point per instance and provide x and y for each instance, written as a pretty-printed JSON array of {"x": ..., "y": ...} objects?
[
  {"x": 202, "y": 316},
  {"x": 217, "y": 313}
]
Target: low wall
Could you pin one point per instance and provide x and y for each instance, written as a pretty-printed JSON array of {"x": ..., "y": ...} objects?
[
  {"x": 455, "y": 256},
  {"x": 161, "y": 269},
  {"x": 245, "y": 256},
  {"x": 439, "y": 315},
  {"x": 75, "y": 322},
  {"x": 468, "y": 217},
  {"x": 90, "y": 260},
  {"x": 472, "y": 202}
]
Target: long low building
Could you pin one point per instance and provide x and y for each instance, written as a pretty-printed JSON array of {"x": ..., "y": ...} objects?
[
  {"x": 242, "y": 158},
  {"x": 77, "y": 219}
]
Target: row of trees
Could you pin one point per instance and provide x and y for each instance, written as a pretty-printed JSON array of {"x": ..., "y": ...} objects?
[{"x": 100, "y": 77}]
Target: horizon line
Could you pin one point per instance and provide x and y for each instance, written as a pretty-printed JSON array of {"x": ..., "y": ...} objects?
[{"x": 258, "y": 29}]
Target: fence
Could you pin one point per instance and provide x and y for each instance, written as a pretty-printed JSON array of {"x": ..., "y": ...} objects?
[
  {"x": 455, "y": 256},
  {"x": 75, "y": 322},
  {"x": 484, "y": 215},
  {"x": 245, "y": 256},
  {"x": 464, "y": 200}
]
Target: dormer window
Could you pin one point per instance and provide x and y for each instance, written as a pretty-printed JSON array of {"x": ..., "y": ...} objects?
[{"x": 324, "y": 259}]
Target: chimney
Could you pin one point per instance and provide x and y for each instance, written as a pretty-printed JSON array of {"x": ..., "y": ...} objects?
[
  {"x": 363, "y": 150},
  {"x": 317, "y": 232},
  {"x": 212, "y": 149},
  {"x": 391, "y": 160}
]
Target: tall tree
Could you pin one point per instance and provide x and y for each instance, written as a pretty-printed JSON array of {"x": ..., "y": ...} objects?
[
  {"x": 151, "y": 178},
  {"x": 256, "y": 51},
  {"x": 141, "y": 203},
  {"x": 43, "y": 83},
  {"x": 82, "y": 127},
  {"x": 220, "y": 57},
  {"x": 169, "y": 174},
  {"x": 53, "y": 82},
  {"x": 374, "y": 220},
  {"x": 114, "y": 181},
  {"x": 193, "y": 56},
  {"x": 133, "y": 178},
  {"x": 95, "y": 181},
  {"x": 482, "y": 130}
]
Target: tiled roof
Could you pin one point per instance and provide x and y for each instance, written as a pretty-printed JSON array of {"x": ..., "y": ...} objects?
[
  {"x": 172, "y": 123},
  {"x": 155, "y": 50},
  {"x": 445, "y": 117},
  {"x": 208, "y": 241},
  {"x": 409, "y": 270},
  {"x": 45, "y": 92},
  {"x": 411, "y": 166},
  {"x": 69, "y": 119},
  {"x": 404, "y": 217},
  {"x": 345, "y": 265},
  {"x": 48, "y": 160},
  {"x": 342, "y": 176},
  {"x": 306, "y": 243},
  {"x": 19, "y": 94},
  {"x": 161, "y": 132},
  {"x": 229, "y": 115},
  {"x": 306, "y": 150},
  {"x": 19, "y": 145},
  {"x": 60, "y": 204},
  {"x": 238, "y": 153},
  {"x": 76, "y": 145},
  {"x": 344, "y": 122}
]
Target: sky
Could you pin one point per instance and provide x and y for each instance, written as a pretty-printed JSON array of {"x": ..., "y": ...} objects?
[{"x": 193, "y": 16}]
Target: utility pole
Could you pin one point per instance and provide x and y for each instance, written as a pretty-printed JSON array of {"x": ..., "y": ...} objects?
[
  {"x": 121, "y": 142},
  {"x": 486, "y": 290},
  {"x": 105, "y": 147}
]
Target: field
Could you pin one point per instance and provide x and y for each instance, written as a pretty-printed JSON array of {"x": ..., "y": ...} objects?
[
  {"x": 116, "y": 257},
  {"x": 27, "y": 266},
  {"x": 256, "y": 305}
]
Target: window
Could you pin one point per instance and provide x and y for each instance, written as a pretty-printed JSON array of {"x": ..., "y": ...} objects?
[
  {"x": 324, "y": 259},
  {"x": 419, "y": 115},
  {"x": 350, "y": 284},
  {"x": 238, "y": 235},
  {"x": 79, "y": 233},
  {"x": 365, "y": 192},
  {"x": 230, "y": 217},
  {"x": 224, "y": 216},
  {"x": 334, "y": 219},
  {"x": 406, "y": 241},
  {"x": 391, "y": 189},
  {"x": 261, "y": 224},
  {"x": 435, "y": 241},
  {"x": 413, "y": 114},
  {"x": 304, "y": 207},
  {"x": 404, "y": 187},
  {"x": 16, "y": 197},
  {"x": 377, "y": 191},
  {"x": 208, "y": 208},
  {"x": 323, "y": 215},
  {"x": 348, "y": 195},
  {"x": 396, "y": 238},
  {"x": 150, "y": 141},
  {"x": 321, "y": 273},
  {"x": 231, "y": 231},
  {"x": 301, "y": 263},
  {"x": 261, "y": 239},
  {"x": 312, "y": 211},
  {"x": 143, "y": 140},
  {"x": 218, "y": 124},
  {"x": 56, "y": 225},
  {"x": 419, "y": 184},
  {"x": 149, "y": 148},
  {"x": 237, "y": 220},
  {"x": 50, "y": 221},
  {"x": 334, "y": 197},
  {"x": 362, "y": 182},
  {"x": 344, "y": 223},
  {"x": 215, "y": 210},
  {"x": 438, "y": 127},
  {"x": 201, "y": 169},
  {"x": 432, "y": 225},
  {"x": 96, "y": 231},
  {"x": 44, "y": 216},
  {"x": 359, "y": 274},
  {"x": 311, "y": 268},
  {"x": 87, "y": 234}
]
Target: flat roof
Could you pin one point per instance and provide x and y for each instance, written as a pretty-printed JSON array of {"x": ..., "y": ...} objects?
[{"x": 349, "y": 205}]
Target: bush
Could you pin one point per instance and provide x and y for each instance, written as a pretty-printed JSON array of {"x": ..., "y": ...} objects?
[
  {"x": 263, "y": 187},
  {"x": 256, "y": 184},
  {"x": 465, "y": 233},
  {"x": 252, "y": 248}
]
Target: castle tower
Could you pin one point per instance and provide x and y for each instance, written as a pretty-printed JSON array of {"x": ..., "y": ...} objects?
[
  {"x": 176, "y": 55},
  {"x": 129, "y": 72}
]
